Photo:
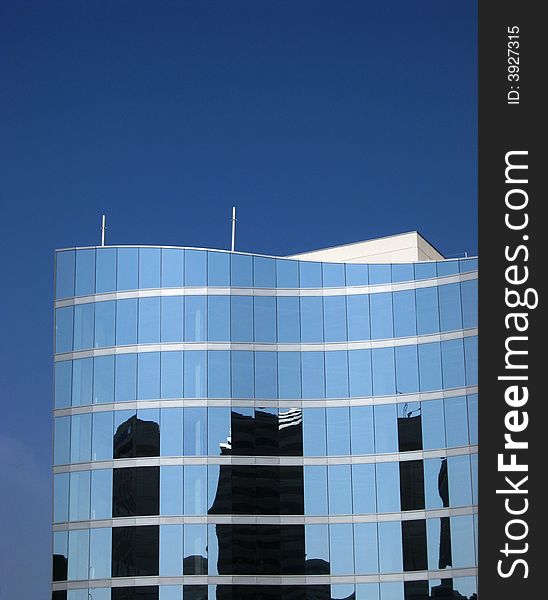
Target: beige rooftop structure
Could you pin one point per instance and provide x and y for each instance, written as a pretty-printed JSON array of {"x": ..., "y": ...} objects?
[{"x": 401, "y": 248}]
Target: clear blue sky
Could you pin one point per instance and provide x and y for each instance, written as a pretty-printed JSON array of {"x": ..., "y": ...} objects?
[{"x": 324, "y": 122}]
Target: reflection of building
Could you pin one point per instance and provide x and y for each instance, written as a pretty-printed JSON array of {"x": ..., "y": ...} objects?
[{"x": 228, "y": 426}]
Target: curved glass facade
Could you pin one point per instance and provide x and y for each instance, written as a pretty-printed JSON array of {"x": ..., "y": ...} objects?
[{"x": 231, "y": 426}]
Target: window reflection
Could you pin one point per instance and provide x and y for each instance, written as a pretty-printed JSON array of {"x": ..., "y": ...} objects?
[
  {"x": 172, "y": 267},
  {"x": 366, "y": 550},
  {"x": 137, "y": 437},
  {"x": 103, "y": 379},
  {"x": 149, "y": 592},
  {"x": 63, "y": 384},
  {"x": 64, "y": 274},
  {"x": 149, "y": 267},
  {"x": 83, "y": 326},
  {"x": 136, "y": 491},
  {"x": 414, "y": 545},
  {"x": 412, "y": 485},
  {"x": 364, "y": 489},
  {"x": 409, "y": 426},
  {"x": 358, "y": 317},
  {"x": 381, "y": 315},
  {"x": 390, "y": 547},
  {"x": 85, "y": 272},
  {"x": 149, "y": 320},
  {"x": 100, "y": 555},
  {"x": 171, "y": 550},
  {"x": 135, "y": 551}
]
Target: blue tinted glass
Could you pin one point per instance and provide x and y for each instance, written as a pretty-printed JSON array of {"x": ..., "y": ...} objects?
[
  {"x": 335, "y": 318},
  {"x": 310, "y": 274},
  {"x": 78, "y": 554},
  {"x": 341, "y": 550},
  {"x": 288, "y": 320},
  {"x": 80, "y": 438},
  {"x": 60, "y": 497},
  {"x": 356, "y": 274},
  {"x": 358, "y": 318},
  {"x": 218, "y": 322},
  {"x": 125, "y": 384},
  {"x": 148, "y": 376},
  {"x": 460, "y": 480},
  {"x": 456, "y": 421},
  {"x": 430, "y": 367},
  {"x": 425, "y": 270},
  {"x": 64, "y": 274},
  {"x": 435, "y": 478},
  {"x": 99, "y": 593},
  {"x": 342, "y": 591},
  {"x": 386, "y": 428},
  {"x": 83, "y": 326},
  {"x": 462, "y": 541},
  {"x": 63, "y": 383},
  {"x": 195, "y": 431},
  {"x": 126, "y": 322},
  {"x": 171, "y": 375},
  {"x": 82, "y": 381},
  {"x": 218, "y": 429},
  {"x": 171, "y": 550},
  {"x": 242, "y": 270},
  {"x": 427, "y": 310},
  {"x": 407, "y": 370},
  {"x": 402, "y": 272},
  {"x": 266, "y": 375},
  {"x": 433, "y": 425},
  {"x": 311, "y": 319},
  {"x": 195, "y": 374},
  {"x": 149, "y": 267},
  {"x": 447, "y": 267},
  {"x": 195, "y": 268},
  {"x": 241, "y": 318},
  {"x": 379, "y": 274},
  {"x": 101, "y": 441},
  {"x": 359, "y": 368},
  {"x": 264, "y": 272},
  {"x": 314, "y": 432},
  {"x": 85, "y": 272},
  {"x": 471, "y": 354},
  {"x": 172, "y": 267},
  {"x": 103, "y": 379},
  {"x": 364, "y": 489},
  {"x": 316, "y": 540},
  {"x": 315, "y": 490},
  {"x": 340, "y": 489},
  {"x": 105, "y": 315},
  {"x": 242, "y": 374},
  {"x": 289, "y": 375},
  {"x": 384, "y": 382},
  {"x": 287, "y": 273},
  {"x": 338, "y": 430},
  {"x": 336, "y": 374},
  {"x": 149, "y": 320},
  {"x": 99, "y": 554},
  {"x": 218, "y": 269},
  {"x": 388, "y": 487},
  {"x": 450, "y": 307},
  {"x": 195, "y": 490},
  {"x": 264, "y": 319},
  {"x": 313, "y": 374},
  {"x": 390, "y": 548},
  {"x": 171, "y": 490},
  {"x": 361, "y": 421},
  {"x": 469, "y": 294},
  {"x": 452, "y": 360},
  {"x": 171, "y": 326},
  {"x": 60, "y": 543},
  {"x": 128, "y": 269},
  {"x": 195, "y": 319},
  {"x": 468, "y": 264},
  {"x": 381, "y": 316},
  {"x": 366, "y": 551},
  {"x": 474, "y": 473},
  {"x": 405, "y": 320},
  {"x": 105, "y": 276},
  {"x": 63, "y": 329},
  {"x": 79, "y": 495},
  {"x": 195, "y": 549},
  {"x": 370, "y": 591},
  {"x": 472, "y": 401},
  {"x": 436, "y": 544},
  {"x": 171, "y": 438},
  {"x": 218, "y": 367},
  {"x": 333, "y": 275}
]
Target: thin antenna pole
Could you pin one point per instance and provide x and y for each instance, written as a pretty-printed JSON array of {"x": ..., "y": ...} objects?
[
  {"x": 233, "y": 228},
  {"x": 103, "y": 229}
]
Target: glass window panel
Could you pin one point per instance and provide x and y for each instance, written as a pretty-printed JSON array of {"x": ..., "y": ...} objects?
[
  {"x": 452, "y": 360},
  {"x": 149, "y": 267},
  {"x": 289, "y": 375},
  {"x": 148, "y": 376},
  {"x": 218, "y": 428},
  {"x": 218, "y": 322},
  {"x": 364, "y": 489},
  {"x": 357, "y": 274},
  {"x": 466, "y": 586},
  {"x": 195, "y": 490},
  {"x": 358, "y": 317},
  {"x": 474, "y": 471},
  {"x": 125, "y": 383},
  {"x": 386, "y": 428},
  {"x": 171, "y": 374},
  {"x": 384, "y": 380},
  {"x": 333, "y": 275},
  {"x": 218, "y": 368},
  {"x": 430, "y": 367},
  {"x": 149, "y": 320},
  {"x": 171, "y": 328},
  {"x": 171, "y": 592},
  {"x": 264, "y": 272},
  {"x": 425, "y": 270},
  {"x": 99, "y": 594},
  {"x": 362, "y": 437},
  {"x": 81, "y": 594},
  {"x": 172, "y": 267},
  {"x": 338, "y": 431},
  {"x": 315, "y": 490},
  {"x": 411, "y": 485},
  {"x": 450, "y": 307},
  {"x": 82, "y": 378},
  {"x": 195, "y": 268},
  {"x": 388, "y": 487},
  {"x": 370, "y": 591},
  {"x": 456, "y": 421},
  {"x": 311, "y": 319},
  {"x": 473, "y": 418},
  {"x": 60, "y": 497},
  {"x": 379, "y": 274},
  {"x": 136, "y": 491},
  {"x": 471, "y": 354},
  {"x": 63, "y": 383},
  {"x": 462, "y": 542},
  {"x": 336, "y": 374},
  {"x": 100, "y": 557},
  {"x": 341, "y": 550},
  {"x": 242, "y": 374},
  {"x": 135, "y": 552},
  {"x": 64, "y": 274},
  {"x": 390, "y": 547},
  {"x": 287, "y": 273},
  {"x": 405, "y": 319},
  {"x": 79, "y": 495},
  {"x": 171, "y": 550},
  {"x": 122, "y": 419},
  {"x": 264, "y": 319},
  {"x": 101, "y": 494},
  {"x": 342, "y": 591},
  {"x": 105, "y": 330},
  {"x": 242, "y": 270},
  {"x": 103, "y": 379},
  {"x": 402, "y": 272},
  {"x": 436, "y": 491},
  {"x": 83, "y": 326},
  {"x": 310, "y": 274},
  {"x": 80, "y": 438},
  {"x": 63, "y": 329},
  {"x": 105, "y": 270},
  {"x": 313, "y": 374},
  {"x": 195, "y": 374},
  {"x": 85, "y": 272},
  {"x": 266, "y": 375},
  {"x": 438, "y": 540},
  {"x": 102, "y": 436},
  {"x": 359, "y": 367},
  {"x": 366, "y": 550},
  {"x": 314, "y": 432},
  {"x": 288, "y": 320},
  {"x": 126, "y": 321},
  {"x": 128, "y": 269},
  {"x": 460, "y": 480},
  {"x": 433, "y": 424},
  {"x": 317, "y": 548},
  {"x": 427, "y": 310},
  {"x": 407, "y": 369},
  {"x": 468, "y": 264},
  {"x": 61, "y": 438},
  {"x": 60, "y": 555},
  {"x": 340, "y": 489},
  {"x": 218, "y": 269},
  {"x": 195, "y": 431},
  {"x": 78, "y": 554},
  {"x": 195, "y": 326},
  {"x": 171, "y": 490},
  {"x": 447, "y": 267},
  {"x": 381, "y": 316},
  {"x": 171, "y": 440},
  {"x": 469, "y": 294},
  {"x": 335, "y": 318},
  {"x": 195, "y": 550}
]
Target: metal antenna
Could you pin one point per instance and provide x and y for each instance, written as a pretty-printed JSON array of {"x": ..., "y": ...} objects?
[
  {"x": 233, "y": 228},
  {"x": 103, "y": 229}
]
